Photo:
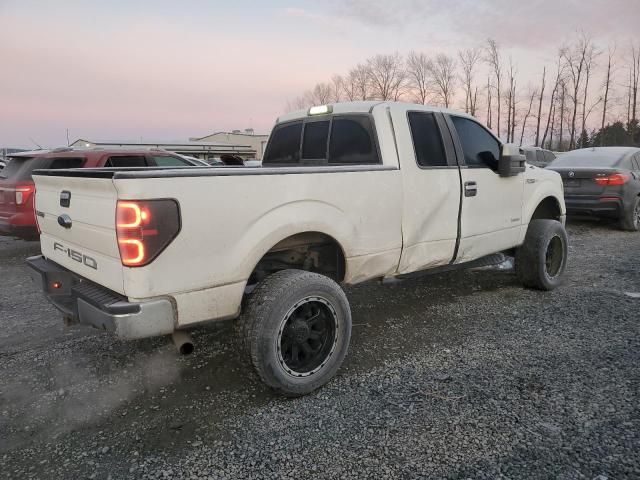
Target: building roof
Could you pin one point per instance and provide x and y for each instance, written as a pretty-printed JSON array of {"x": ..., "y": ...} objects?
[{"x": 159, "y": 143}]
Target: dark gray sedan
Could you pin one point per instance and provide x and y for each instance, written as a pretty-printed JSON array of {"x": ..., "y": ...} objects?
[{"x": 602, "y": 182}]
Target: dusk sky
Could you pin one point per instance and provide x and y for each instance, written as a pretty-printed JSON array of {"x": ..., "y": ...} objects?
[{"x": 170, "y": 70}]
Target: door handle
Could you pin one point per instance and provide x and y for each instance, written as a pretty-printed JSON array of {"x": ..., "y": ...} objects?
[{"x": 470, "y": 189}]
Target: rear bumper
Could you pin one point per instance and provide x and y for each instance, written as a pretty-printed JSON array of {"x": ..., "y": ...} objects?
[
  {"x": 599, "y": 206},
  {"x": 86, "y": 303},
  {"x": 10, "y": 226}
]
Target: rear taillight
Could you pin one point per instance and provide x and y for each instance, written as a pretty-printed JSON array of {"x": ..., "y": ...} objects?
[
  {"x": 613, "y": 179},
  {"x": 145, "y": 228},
  {"x": 24, "y": 192}
]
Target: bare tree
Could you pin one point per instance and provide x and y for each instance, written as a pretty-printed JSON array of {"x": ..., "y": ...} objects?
[
  {"x": 633, "y": 93},
  {"x": 629, "y": 95},
  {"x": 443, "y": 78},
  {"x": 474, "y": 102},
  {"x": 607, "y": 86},
  {"x": 551, "y": 114},
  {"x": 357, "y": 83},
  {"x": 553, "y": 123},
  {"x": 513, "y": 112},
  {"x": 321, "y": 94},
  {"x": 510, "y": 101},
  {"x": 574, "y": 58},
  {"x": 532, "y": 97},
  {"x": 469, "y": 59},
  {"x": 540, "y": 100},
  {"x": 635, "y": 79},
  {"x": 418, "y": 70},
  {"x": 489, "y": 118},
  {"x": 589, "y": 64},
  {"x": 386, "y": 76},
  {"x": 337, "y": 88},
  {"x": 563, "y": 96},
  {"x": 495, "y": 63}
]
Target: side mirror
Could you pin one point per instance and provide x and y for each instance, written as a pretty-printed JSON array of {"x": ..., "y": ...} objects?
[{"x": 511, "y": 161}]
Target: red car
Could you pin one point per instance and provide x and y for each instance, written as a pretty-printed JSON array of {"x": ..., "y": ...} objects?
[{"x": 16, "y": 185}]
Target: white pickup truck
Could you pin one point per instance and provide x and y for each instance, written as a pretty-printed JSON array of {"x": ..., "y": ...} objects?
[{"x": 347, "y": 193}]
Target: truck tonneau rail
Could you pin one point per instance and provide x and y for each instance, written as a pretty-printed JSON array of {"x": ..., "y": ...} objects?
[{"x": 168, "y": 172}]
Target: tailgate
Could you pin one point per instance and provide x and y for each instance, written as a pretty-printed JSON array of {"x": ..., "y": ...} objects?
[{"x": 89, "y": 247}]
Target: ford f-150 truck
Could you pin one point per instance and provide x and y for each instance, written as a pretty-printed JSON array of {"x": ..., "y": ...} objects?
[{"x": 347, "y": 193}]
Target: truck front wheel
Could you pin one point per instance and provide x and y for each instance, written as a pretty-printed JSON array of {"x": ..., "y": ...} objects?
[
  {"x": 296, "y": 330},
  {"x": 542, "y": 258}
]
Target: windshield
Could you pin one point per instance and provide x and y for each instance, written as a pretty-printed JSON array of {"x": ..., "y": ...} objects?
[
  {"x": 18, "y": 168},
  {"x": 587, "y": 158}
]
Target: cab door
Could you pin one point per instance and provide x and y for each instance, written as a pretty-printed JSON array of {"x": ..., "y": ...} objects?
[
  {"x": 491, "y": 214},
  {"x": 431, "y": 189}
]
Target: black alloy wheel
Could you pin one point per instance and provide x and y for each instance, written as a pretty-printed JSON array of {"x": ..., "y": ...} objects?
[{"x": 307, "y": 336}]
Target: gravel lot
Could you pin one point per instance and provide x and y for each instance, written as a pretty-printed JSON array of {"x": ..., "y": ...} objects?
[{"x": 462, "y": 375}]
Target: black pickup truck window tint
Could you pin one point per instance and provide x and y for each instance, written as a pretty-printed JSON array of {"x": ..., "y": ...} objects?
[
  {"x": 314, "y": 144},
  {"x": 284, "y": 145},
  {"x": 126, "y": 161},
  {"x": 427, "y": 141},
  {"x": 475, "y": 139},
  {"x": 58, "y": 163},
  {"x": 351, "y": 141}
]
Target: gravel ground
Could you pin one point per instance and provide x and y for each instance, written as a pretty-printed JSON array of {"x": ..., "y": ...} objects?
[{"x": 463, "y": 375}]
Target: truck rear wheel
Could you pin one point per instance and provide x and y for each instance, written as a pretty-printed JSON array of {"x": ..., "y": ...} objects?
[
  {"x": 296, "y": 330},
  {"x": 542, "y": 258}
]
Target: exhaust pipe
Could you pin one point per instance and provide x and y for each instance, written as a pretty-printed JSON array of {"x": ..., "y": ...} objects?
[{"x": 183, "y": 342}]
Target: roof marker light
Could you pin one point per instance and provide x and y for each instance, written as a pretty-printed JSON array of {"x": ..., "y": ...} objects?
[{"x": 321, "y": 110}]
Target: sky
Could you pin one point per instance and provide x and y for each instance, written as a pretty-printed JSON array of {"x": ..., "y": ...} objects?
[{"x": 169, "y": 70}]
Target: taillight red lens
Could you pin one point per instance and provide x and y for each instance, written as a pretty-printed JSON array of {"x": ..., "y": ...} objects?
[
  {"x": 24, "y": 192},
  {"x": 145, "y": 228},
  {"x": 613, "y": 179}
]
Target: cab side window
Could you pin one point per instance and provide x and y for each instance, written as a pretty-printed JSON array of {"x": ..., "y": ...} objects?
[
  {"x": 427, "y": 141},
  {"x": 169, "y": 161},
  {"x": 476, "y": 141},
  {"x": 66, "y": 163},
  {"x": 126, "y": 161}
]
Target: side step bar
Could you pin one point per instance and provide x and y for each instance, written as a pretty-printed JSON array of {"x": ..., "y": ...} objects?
[{"x": 489, "y": 260}]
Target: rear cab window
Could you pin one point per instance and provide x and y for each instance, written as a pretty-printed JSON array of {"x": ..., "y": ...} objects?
[{"x": 331, "y": 140}]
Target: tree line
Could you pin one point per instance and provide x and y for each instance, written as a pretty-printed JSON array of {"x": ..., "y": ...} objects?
[{"x": 589, "y": 97}]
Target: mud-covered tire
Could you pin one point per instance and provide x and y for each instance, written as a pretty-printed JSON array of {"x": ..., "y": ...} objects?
[
  {"x": 295, "y": 330},
  {"x": 542, "y": 259},
  {"x": 630, "y": 220}
]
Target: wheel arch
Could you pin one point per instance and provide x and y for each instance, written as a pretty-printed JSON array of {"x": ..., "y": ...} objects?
[
  {"x": 547, "y": 208},
  {"x": 311, "y": 250}
]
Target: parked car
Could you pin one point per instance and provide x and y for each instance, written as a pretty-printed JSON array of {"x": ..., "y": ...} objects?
[
  {"x": 602, "y": 182},
  {"x": 16, "y": 184},
  {"x": 347, "y": 193},
  {"x": 538, "y": 156},
  {"x": 2, "y": 164}
]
